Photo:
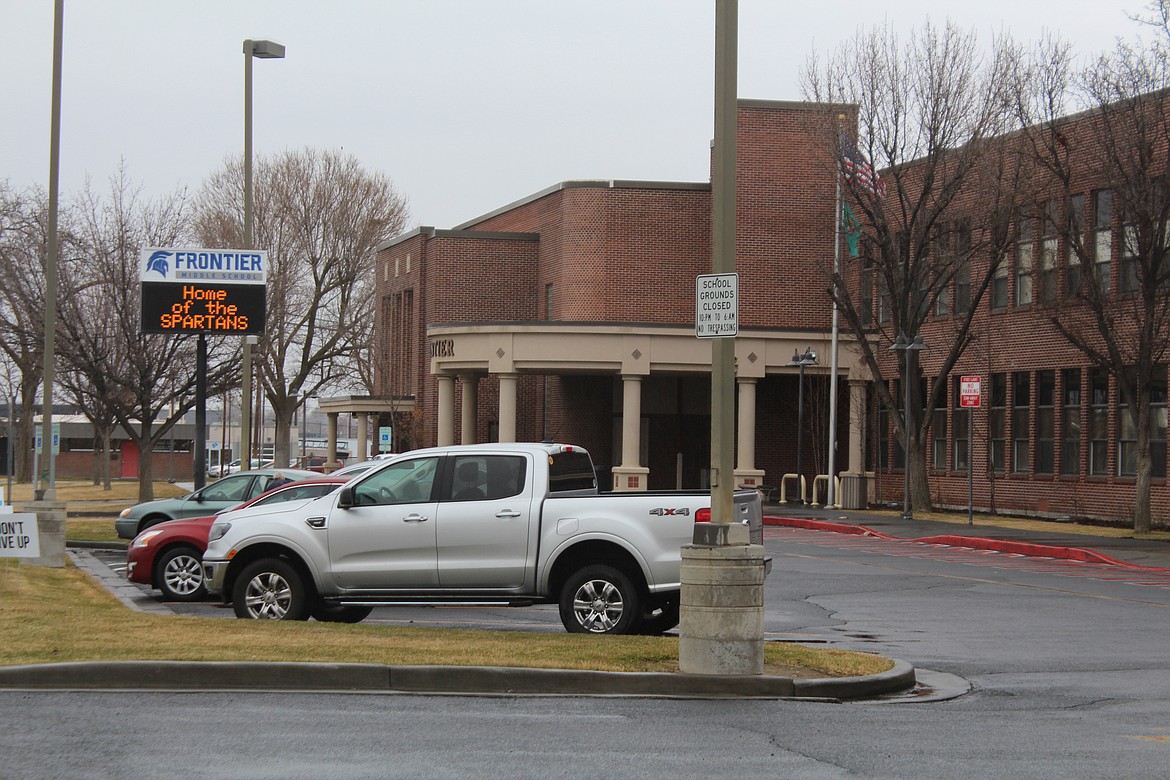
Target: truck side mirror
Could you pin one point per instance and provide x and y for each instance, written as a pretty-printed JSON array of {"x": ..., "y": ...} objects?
[{"x": 345, "y": 497}]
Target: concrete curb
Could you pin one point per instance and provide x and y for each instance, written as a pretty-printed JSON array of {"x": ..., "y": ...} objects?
[
  {"x": 972, "y": 542},
  {"x": 471, "y": 680}
]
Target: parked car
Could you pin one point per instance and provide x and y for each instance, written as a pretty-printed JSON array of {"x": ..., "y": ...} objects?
[
  {"x": 257, "y": 463},
  {"x": 169, "y": 556},
  {"x": 482, "y": 523},
  {"x": 221, "y": 494}
]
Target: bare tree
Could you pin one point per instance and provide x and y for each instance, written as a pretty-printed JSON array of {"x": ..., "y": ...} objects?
[
  {"x": 320, "y": 215},
  {"x": 146, "y": 382},
  {"x": 23, "y": 252},
  {"x": 1120, "y": 317},
  {"x": 935, "y": 215}
]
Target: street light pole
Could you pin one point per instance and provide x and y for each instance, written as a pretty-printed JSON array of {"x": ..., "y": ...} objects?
[
  {"x": 807, "y": 359},
  {"x": 265, "y": 50},
  {"x": 48, "y": 486}
]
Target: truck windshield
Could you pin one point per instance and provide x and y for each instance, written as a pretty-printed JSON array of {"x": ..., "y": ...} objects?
[{"x": 570, "y": 471}]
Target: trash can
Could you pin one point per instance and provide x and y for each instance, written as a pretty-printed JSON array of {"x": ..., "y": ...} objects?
[{"x": 853, "y": 492}]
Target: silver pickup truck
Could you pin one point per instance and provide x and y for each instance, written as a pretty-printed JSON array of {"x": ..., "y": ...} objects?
[{"x": 510, "y": 524}]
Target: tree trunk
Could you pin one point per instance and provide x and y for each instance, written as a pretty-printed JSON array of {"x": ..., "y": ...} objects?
[
  {"x": 107, "y": 444},
  {"x": 282, "y": 413},
  {"x": 1141, "y": 498},
  {"x": 145, "y": 465},
  {"x": 920, "y": 498}
]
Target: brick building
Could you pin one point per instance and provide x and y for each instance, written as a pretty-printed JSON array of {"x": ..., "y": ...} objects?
[{"x": 569, "y": 314}]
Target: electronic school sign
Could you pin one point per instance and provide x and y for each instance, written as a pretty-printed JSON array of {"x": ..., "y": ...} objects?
[{"x": 212, "y": 291}]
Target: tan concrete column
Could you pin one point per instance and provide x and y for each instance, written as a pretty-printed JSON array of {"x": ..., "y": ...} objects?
[
  {"x": 746, "y": 473},
  {"x": 330, "y": 442},
  {"x": 363, "y": 443},
  {"x": 470, "y": 409},
  {"x": 507, "y": 407},
  {"x": 446, "y": 410},
  {"x": 857, "y": 406},
  {"x": 631, "y": 474}
]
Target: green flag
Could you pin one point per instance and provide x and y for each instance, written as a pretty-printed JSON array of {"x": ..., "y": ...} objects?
[{"x": 852, "y": 229}]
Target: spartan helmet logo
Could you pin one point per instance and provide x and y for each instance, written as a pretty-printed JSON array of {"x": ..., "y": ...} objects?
[{"x": 158, "y": 262}]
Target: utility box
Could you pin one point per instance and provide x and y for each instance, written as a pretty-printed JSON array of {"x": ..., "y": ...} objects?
[{"x": 853, "y": 491}]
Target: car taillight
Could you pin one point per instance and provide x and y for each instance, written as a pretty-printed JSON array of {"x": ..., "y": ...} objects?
[{"x": 703, "y": 515}]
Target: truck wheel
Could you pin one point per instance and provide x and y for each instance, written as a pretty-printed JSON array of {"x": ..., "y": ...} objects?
[
  {"x": 337, "y": 613},
  {"x": 179, "y": 574},
  {"x": 659, "y": 623},
  {"x": 270, "y": 589},
  {"x": 600, "y": 599}
]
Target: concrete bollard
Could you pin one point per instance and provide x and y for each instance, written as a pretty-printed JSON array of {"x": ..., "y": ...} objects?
[
  {"x": 50, "y": 530},
  {"x": 721, "y": 619}
]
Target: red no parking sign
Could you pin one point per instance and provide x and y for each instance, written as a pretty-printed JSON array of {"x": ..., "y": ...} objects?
[{"x": 970, "y": 392}]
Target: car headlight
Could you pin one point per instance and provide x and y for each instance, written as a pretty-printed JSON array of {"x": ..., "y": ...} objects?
[
  {"x": 217, "y": 531},
  {"x": 125, "y": 511},
  {"x": 143, "y": 539}
]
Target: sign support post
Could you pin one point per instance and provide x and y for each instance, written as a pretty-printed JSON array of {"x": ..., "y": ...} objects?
[{"x": 970, "y": 398}]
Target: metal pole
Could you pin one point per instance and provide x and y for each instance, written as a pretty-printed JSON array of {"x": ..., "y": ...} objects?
[
  {"x": 246, "y": 384},
  {"x": 906, "y": 514},
  {"x": 970, "y": 464},
  {"x": 831, "y": 501},
  {"x": 200, "y": 413},
  {"x": 11, "y": 443},
  {"x": 800, "y": 433},
  {"x": 723, "y": 259},
  {"x": 48, "y": 489}
]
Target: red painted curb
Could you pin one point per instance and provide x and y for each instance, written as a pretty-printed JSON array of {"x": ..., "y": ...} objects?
[
  {"x": 972, "y": 542},
  {"x": 825, "y": 525},
  {"x": 1036, "y": 550}
]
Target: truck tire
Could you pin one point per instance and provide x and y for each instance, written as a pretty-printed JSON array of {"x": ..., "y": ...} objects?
[
  {"x": 179, "y": 574},
  {"x": 600, "y": 599},
  {"x": 659, "y": 623},
  {"x": 271, "y": 589},
  {"x": 338, "y": 613}
]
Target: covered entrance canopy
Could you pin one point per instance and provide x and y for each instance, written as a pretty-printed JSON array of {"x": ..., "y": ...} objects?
[
  {"x": 471, "y": 351},
  {"x": 361, "y": 406}
]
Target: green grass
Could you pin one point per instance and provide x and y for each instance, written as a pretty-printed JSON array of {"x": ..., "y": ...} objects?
[{"x": 56, "y": 615}]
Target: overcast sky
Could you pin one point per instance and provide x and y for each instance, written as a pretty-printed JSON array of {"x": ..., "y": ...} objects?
[{"x": 465, "y": 104}]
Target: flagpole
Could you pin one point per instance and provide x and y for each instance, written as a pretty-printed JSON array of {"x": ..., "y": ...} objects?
[{"x": 831, "y": 501}]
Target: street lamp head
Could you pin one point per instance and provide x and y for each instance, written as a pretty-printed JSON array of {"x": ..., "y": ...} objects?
[
  {"x": 264, "y": 50},
  {"x": 807, "y": 359}
]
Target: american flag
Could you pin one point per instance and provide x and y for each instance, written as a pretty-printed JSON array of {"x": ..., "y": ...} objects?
[{"x": 854, "y": 167}]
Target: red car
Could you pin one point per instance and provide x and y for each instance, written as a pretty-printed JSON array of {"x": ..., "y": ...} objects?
[{"x": 169, "y": 556}]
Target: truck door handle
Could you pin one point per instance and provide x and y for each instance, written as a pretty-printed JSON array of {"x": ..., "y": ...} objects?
[
  {"x": 415, "y": 518},
  {"x": 507, "y": 513}
]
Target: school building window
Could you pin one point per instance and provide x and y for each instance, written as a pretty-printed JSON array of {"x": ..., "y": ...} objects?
[
  {"x": 1103, "y": 238},
  {"x": 1045, "y": 421},
  {"x": 1127, "y": 432},
  {"x": 938, "y": 433},
  {"x": 1048, "y": 244},
  {"x": 960, "y": 419},
  {"x": 1021, "y": 398},
  {"x": 996, "y": 419},
  {"x": 1070, "y": 437},
  {"x": 1098, "y": 422},
  {"x": 1072, "y": 247},
  {"x": 1024, "y": 262}
]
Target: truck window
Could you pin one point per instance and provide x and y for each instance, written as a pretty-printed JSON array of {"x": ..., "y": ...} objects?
[
  {"x": 479, "y": 477},
  {"x": 406, "y": 482},
  {"x": 570, "y": 471}
]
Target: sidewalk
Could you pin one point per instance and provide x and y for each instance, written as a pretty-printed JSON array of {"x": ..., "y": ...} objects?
[{"x": 1018, "y": 535}]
